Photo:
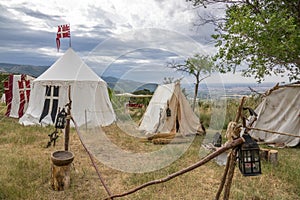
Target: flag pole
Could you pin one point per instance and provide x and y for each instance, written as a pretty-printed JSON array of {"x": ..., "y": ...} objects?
[
  {"x": 70, "y": 42},
  {"x": 70, "y": 37}
]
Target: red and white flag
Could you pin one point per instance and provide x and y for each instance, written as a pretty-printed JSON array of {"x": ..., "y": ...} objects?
[
  {"x": 24, "y": 91},
  {"x": 62, "y": 32}
]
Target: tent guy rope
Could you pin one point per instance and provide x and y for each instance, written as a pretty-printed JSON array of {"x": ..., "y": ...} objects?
[
  {"x": 91, "y": 157},
  {"x": 273, "y": 132}
]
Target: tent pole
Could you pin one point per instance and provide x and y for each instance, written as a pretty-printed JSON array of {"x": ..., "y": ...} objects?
[{"x": 85, "y": 119}]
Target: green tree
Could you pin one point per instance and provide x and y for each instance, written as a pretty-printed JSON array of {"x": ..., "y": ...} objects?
[
  {"x": 263, "y": 34},
  {"x": 198, "y": 66}
]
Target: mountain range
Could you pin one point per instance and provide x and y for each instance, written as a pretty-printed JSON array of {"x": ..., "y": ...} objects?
[
  {"x": 122, "y": 86},
  {"x": 119, "y": 85},
  {"x": 31, "y": 70}
]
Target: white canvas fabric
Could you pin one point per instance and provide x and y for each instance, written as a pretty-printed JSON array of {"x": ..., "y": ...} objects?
[
  {"x": 15, "y": 97},
  {"x": 155, "y": 119},
  {"x": 2, "y": 98},
  {"x": 15, "y": 102},
  {"x": 279, "y": 111},
  {"x": 89, "y": 94}
]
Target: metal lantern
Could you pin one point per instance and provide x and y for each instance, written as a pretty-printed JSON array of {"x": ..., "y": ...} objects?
[
  {"x": 248, "y": 156},
  {"x": 61, "y": 119},
  {"x": 168, "y": 111},
  {"x": 217, "y": 141}
]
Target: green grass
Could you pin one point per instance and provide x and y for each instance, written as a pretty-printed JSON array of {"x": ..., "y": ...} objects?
[{"x": 25, "y": 170}]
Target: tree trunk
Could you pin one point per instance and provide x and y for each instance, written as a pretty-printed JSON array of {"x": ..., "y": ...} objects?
[{"x": 196, "y": 94}]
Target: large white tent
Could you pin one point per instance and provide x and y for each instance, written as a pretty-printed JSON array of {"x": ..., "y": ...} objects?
[
  {"x": 89, "y": 94},
  {"x": 280, "y": 112},
  {"x": 181, "y": 117}
]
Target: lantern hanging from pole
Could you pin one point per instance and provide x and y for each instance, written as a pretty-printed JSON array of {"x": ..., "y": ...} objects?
[
  {"x": 61, "y": 119},
  {"x": 168, "y": 110},
  {"x": 248, "y": 156}
]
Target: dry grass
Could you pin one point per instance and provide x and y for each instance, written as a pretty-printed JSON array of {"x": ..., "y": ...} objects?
[{"x": 25, "y": 170}]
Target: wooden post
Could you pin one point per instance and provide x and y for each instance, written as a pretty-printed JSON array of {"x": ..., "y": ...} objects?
[
  {"x": 67, "y": 129},
  {"x": 264, "y": 154},
  {"x": 60, "y": 177},
  {"x": 273, "y": 157},
  {"x": 230, "y": 174}
]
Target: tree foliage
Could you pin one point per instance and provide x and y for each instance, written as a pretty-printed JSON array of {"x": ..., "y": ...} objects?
[
  {"x": 198, "y": 66},
  {"x": 263, "y": 34}
]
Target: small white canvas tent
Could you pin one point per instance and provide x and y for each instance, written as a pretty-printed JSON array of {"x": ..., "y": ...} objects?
[
  {"x": 279, "y": 111},
  {"x": 181, "y": 117},
  {"x": 89, "y": 94}
]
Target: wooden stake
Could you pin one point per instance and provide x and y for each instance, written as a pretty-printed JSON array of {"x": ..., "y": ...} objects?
[
  {"x": 67, "y": 129},
  {"x": 230, "y": 174},
  {"x": 223, "y": 178},
  {"x": 231, "y": 161},
  {"x": 273, "y": 157}
]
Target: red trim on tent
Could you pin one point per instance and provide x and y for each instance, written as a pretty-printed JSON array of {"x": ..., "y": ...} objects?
[{"x": 8, "y": 89}]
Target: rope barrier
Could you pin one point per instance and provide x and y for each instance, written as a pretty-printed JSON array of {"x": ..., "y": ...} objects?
[{"x": 91, "y": 157}]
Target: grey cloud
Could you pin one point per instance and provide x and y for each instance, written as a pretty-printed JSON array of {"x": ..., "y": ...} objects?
[{"x": 37, "y": 14}]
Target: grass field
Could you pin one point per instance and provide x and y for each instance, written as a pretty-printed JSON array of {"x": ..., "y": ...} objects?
[{"x": 25, "y": 170}]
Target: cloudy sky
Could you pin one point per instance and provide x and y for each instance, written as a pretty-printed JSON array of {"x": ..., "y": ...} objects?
[{"x": 128, "y": 39}]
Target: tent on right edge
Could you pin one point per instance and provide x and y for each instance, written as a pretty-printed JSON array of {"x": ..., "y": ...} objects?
[{"x": 280, "y": 112}]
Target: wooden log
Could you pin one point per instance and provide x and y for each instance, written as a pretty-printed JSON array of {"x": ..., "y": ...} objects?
[
  {"x": 167, "y": 141},
  {"x": 60, "y": 177},
  {"x": 162, "y": 135},
  {"x": 273, "y": 157},
  {"x": 264, "y": 154}
]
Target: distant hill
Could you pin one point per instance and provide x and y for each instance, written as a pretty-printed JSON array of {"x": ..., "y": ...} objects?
[
  {"x": 114, "y": 83},
  {"x": 148, "y": 86},
  {"x": 121, "y": 85},
  {"x": 31, "y": 70}
]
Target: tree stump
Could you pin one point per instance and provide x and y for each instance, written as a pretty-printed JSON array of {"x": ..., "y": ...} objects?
[
  {"x": 60, "y": 177},
  {"x": 273, "y": 157},
  {"x": 60, "y": 170},
  {"x": 264, "y": 154}
]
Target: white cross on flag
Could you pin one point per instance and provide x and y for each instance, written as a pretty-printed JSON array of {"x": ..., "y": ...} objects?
[
  {"x": 51, "y": 102},
  {"x": 24, "y": 91},
  {"x": 62, "y": 32}
]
